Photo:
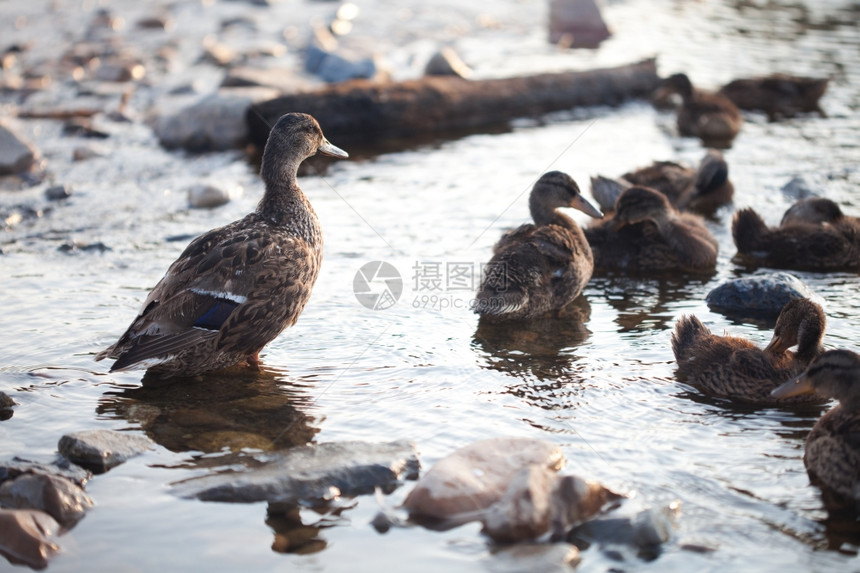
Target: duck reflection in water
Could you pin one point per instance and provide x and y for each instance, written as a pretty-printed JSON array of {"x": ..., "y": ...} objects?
[{"x": 230, "y": 418}]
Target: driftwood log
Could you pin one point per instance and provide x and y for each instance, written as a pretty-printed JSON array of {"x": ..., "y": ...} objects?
[{"x": 368, "y": 112}]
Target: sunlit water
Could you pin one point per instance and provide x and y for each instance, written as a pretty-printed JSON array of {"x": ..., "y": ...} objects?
[{"x": 603, "y": 390}]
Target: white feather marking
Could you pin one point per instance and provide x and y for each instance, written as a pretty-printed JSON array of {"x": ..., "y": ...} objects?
[
  {"x": 148, "y": 363},
  {"x": 237, "y": 298}
]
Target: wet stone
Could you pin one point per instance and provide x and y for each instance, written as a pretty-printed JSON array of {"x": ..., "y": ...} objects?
[
  {"x": 16, "y": 154},
  {"x": 78, "y": 247},
  {"x": 57, "y": 496},
  {"x": 543, "y": 557},
  {"x": 446, "y": 62},
  {"x": 101, "y": 450},
  {"x": 27, "y": 537},
  {"x": 758, "y": 295},
  {"x": 463, "y": 484},
  {"x": 57, "y": 466},
  {"x": 576, "y": 24},
  {"x": 313, "y": 472},
  {"x": 58, "y": 192}
]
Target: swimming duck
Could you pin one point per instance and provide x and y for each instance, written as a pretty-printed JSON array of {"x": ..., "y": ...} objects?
[
  {"x": 832, "y": 452},
  {"x": 735, "y": 368},
  {"x": 814, "y": 235},
  {"x": 541, "y": 267},
  {"x": 235, "y": 288},
  {"x": 778, "y": 95},
  {"x": 712, "y": 117},
  {"x": 701, "y": 189},
  {"x": 647, "y": 234}
]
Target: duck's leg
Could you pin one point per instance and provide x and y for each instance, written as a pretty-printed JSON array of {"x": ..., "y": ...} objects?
[{"x": 253, "y": 361}]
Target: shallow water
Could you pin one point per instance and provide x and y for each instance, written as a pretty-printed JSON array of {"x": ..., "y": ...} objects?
[{"x": 603, "y": 390}]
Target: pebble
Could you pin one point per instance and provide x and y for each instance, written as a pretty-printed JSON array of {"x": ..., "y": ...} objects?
[
  {"x": 318, "y": 472},
  {"x": 469, "y": 480},
  {"x": 58, "y": 192},
  {"x": 27, "y": 537},
  {"x": 84, "y": 152},
  {"x": 101, "y": 450},
  {"x": 208, "y": 196},
  {"x": 759, "y": 294},
  {"x": 57, "y": 496},
  {"x": 16, "y": 154}
]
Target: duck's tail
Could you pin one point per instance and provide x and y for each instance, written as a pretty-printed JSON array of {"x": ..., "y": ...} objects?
[
  {"x": 687, "y": 331},
  {"x": 606, "y": 191},
  {"x": 748, "y": 230}
]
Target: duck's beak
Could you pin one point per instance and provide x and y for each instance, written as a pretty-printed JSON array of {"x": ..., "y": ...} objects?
[
  {"x": 328, "y": 149},
  {"x": 579, "y": 202},
  {"x": 794, "y": 387},
  {"x": 776, "y": 345}
]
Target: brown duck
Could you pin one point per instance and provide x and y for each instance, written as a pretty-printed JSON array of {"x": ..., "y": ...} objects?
[
  {"x": 814, "y": 235},
  {"x": 647, "y": 234},
  {"x": 235, "y": 288},
  {"x": 710, "y": 116},
  {"x": 539, "y": 268},
  {"x": 832, "y": 452},
  {"x": 701, "y": 189},
  {"x": 778, "y": 95},
  {"x": 735, "y": 368}
]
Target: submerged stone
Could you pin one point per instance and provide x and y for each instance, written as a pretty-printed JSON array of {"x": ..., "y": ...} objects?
[
  {"x": 763, "y": 295},
  {"x": 6, "y": 405},
  {"x": 476, "y": 476},
  {"x": 59, "y": 497},
  {"x": 58, "y": 466},
  {"x": 101, "y": 450},
  {"x": 543, "y": 557},
  {"x": 27, "y": 537},
  {"x": 313, "y": 472}
]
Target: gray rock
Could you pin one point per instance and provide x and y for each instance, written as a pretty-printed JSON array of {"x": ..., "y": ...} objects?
[
  {"x": 313, "y": 472},
  {"x": 6, "y": 401},
  {"x": 576, "y": 24},
  {"x": 543, "y": 557},
  {"x": 58, "y": 466},
  {"x": 59, "y": 497},
  {"x": 335, "y": 68},
  {"x": 101, "y": 450},
  {"x": 16, "y": 154},
  {"x": 799, "y": 188},
  {"x": 58, "y": 192},
  {"x": 446, "y": 62},
  {"x": 206, "y": 196},
  {"x": 762, "y": 295},
  {"x": 27, "y": 537},
  {"x": 216, "y": 122}
]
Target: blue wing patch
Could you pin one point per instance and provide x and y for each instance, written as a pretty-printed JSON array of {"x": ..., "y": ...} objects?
[{"x": 217, "y": 314}]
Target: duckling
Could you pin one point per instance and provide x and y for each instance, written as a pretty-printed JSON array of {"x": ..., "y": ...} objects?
[
  {"x": 235, "y": 288},
  {"x": 712, "y": 117},
  {"x": 778, "y": 95},
  {"x": 539, "y": 268},
  {"x": 735, "y": 368},
  {"x": 647, "y": 234},
  {"x": 832, "y": 451},
  {"x": 814, "y": 235},
  {"x": 702, "y": 189}
]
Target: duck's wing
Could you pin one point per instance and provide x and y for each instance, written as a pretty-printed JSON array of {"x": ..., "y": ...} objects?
[
  {"x": 695, "y": 246},
  {"x": 224, "y": 281},
  {"x": 513, "y": 237}
]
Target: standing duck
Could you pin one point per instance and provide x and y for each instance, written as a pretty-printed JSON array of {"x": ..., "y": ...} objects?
[
  {"x": 701, "y": 189},
  {"x": 778, "y": 95},
  {"x": 647, "y": 234},
  {"x": 735, "y": 368},
  {"x": 832, "y": 452},
  {"x": 712, "y": 117},
  {"x": 539, "y": 268},
  {"x": 235, "y": 288},
  {"x": 814, "y": 235}
]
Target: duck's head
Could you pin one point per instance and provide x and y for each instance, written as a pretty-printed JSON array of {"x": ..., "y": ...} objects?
[
  {"x": 555, "y": 189},
  {"x": 801, "y": 322},
  {"x": 679, "y": 83},
  {"x": 815, "y": 210},
  {"x": 294, "y": 138},
  {"x": 641, "y": 204},
  {"x": 834, "y": 374}
]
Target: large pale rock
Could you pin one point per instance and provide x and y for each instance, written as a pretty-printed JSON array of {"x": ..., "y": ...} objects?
[
  {"x": 763, "y": 295},
  {"x": 314, "y": 472},
  {"x": 27, "y": 537},
  {"x": 101, "y": 450},
  {"x": 576, "y": 23},
  {"x": 16, "y": 154},
  {"x": 476, "y": 476},
  {"x": 216, "y": 122},
  {"x": 59, "y": 497}
]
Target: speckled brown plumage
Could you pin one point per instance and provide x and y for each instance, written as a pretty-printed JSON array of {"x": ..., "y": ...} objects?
[
  {"x": 700, "y": 189},
  {"x": 735, "y": 368},
  {"x": 235, "y": 288},
  {"x": 814, "y": 236},
  {"x": 541, "y": 267},
  {"x": 832, "y": 452},
  {"x": 647, "y": 234},
  {"x": 778, "y": 95},
  {"x": 712, "y": 117}
]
